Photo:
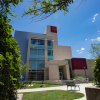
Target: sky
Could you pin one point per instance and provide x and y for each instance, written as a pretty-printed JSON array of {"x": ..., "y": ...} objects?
[{"x": 78, "y": 28}]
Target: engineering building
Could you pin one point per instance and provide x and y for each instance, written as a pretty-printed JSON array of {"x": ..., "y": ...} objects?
[{"x": 48, "y": 60}]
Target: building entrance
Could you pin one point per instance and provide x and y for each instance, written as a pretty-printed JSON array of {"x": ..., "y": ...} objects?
[{"x": 61, "y": 76}]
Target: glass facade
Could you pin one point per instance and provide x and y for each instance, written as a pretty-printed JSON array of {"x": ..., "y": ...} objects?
[
  {"x": 50, "y": 54},
  {"x": 37, "y": 59},
  {"x": 37, "y": 54},
  {"x": 36, "y": 75},
  {"x": 36, "y": 43},
  {"x": 50, "y": 44}
]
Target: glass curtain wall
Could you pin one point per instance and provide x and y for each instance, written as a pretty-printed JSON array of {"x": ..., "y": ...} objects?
[
  {"x": 50, "y": 49},
  {"x": 37, "y": 59}
]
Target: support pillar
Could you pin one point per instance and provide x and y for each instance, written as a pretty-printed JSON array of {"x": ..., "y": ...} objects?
[{"x": 53, "y": 72}]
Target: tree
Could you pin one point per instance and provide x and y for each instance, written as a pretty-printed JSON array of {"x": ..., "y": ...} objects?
[
  {"x": 95, "y": 54},
  {"x": 25, "y": 67},
  {"x": 10, "y": 63},
  {"x": 41, "y": 9},
  {"x": 96, "y": 70},
  {"x": 94, "y": 50}
]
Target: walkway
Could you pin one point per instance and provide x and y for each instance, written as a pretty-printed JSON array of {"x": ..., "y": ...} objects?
[{"x": 82, "y": 89}]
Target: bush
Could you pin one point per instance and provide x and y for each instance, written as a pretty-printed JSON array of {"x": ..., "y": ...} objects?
[
  {"x": 10, "y": 67},
  {"x": 96, "y": 70},
  {"x": 78, "y": 77}
]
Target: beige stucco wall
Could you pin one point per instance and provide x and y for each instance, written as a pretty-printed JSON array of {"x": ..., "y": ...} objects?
[
  {"x": 89, "y": 71},
  {"x": 53, "y": 66},
  {"x": 59, "y": 53},
  {"x": 63, "y": 52},
  {"x": 53, "y": 72}
]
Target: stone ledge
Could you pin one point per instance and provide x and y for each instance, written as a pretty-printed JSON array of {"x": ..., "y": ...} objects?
[
  {"x": 20, "y": 96},
  {"x": 92, "y": 93}
]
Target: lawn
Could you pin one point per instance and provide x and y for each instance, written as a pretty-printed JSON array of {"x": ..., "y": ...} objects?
[
  {"x": 39, "y": 86},
  {"x": 52, "y": 95}
]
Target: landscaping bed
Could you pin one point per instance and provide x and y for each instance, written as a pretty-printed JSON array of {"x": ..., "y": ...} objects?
[{"x": 38, "y": 86}]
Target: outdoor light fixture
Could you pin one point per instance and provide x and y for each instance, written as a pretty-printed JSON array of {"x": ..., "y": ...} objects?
[{"x": 85, "y": 73}]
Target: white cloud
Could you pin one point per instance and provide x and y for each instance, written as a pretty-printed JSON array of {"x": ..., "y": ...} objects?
[
  {"x": 98, "y": 31},
  {"x": 98, "y": 39},
  {"x": 94, "y": 17},
  {"x": 82, "y": 48},
  {"x": 80, "y": 52},
  {"x": 85, "y": 39},
  {"x": 77, "y": 51}
]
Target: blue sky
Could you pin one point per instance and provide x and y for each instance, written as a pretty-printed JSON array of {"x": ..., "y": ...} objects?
[{"x": 78, "y": 28}]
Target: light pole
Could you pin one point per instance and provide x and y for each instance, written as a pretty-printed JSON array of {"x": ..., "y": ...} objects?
[
  {"x": 85, "y": 74},
  {"x": 43, "y": 79}
]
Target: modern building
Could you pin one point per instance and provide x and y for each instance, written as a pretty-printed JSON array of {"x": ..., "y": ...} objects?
[{"x": 48, "y": 60}]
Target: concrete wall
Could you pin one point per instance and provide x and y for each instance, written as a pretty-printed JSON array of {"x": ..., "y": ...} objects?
[
  {"x": 53, "y": 72},
  {"x": 60, "y": 52}
]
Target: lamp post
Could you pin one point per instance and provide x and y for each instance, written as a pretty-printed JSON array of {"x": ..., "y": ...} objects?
[
  {"x": 85, "y": 74},
  {"x": 42, "y": 80}
]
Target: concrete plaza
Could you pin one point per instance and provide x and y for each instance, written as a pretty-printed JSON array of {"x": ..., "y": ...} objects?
[{"x": 82, "y": 89}]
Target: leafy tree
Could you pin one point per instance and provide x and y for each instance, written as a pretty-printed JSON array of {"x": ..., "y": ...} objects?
[
  {"x": 25, "y": 67},
  {"x": 10, "y": 66},
  {"x": 95, "y": 55},
  {"x": 96, "y": 70},
  {"x": 94, "y": 50},
  {"x": 41, "y": 9}
]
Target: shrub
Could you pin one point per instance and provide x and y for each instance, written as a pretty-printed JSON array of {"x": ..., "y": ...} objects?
[
  {"x": 10, "y": 67},
  {"x": 96, "y": 70},
  {"x": 78, "y": 77}
]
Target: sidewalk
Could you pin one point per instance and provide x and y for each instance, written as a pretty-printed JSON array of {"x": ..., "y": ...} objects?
[{"x": 82, "y": 89}]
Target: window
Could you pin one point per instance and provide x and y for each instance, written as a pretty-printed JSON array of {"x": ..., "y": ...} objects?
[
  {"x": 33, "y": 54},
  {"x": 33, "y": 64},
  {"x": 37, "y": 54},
  {"x": 37, "y": 43},
  {"x": 49, "y": 44},
  {"x": 50, "y": 54},
  {"x": 40, "y": 65},
  {"x": 34, "y": 43}
]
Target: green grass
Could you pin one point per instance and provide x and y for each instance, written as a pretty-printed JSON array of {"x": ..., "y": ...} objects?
[
  {"x": 39, "y": 86},
  {"x": 90, "y": 82},
  {"x": 52, "y": 95}
]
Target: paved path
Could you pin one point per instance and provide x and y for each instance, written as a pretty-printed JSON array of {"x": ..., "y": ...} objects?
[{"x": 82, "y": 89}]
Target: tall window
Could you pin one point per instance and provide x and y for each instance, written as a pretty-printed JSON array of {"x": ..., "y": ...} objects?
[
  {"x": 50, "y": 54},
  {"x": 37, "y": 62},
  {"x": 49, "y": 44}
]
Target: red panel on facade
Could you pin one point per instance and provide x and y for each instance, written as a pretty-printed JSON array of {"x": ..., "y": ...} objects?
[
  {"x": 53, "y": 29},
  {"x": 78, "y": 63}
]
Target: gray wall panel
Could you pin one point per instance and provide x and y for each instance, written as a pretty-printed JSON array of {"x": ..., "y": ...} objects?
[{"x": 22, "y": 39}]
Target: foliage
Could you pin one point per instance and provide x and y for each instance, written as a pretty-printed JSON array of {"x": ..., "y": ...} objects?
[
  {"x": 96, "y": 70},
  {"x": 94, "y": 50},
  {"x": 41, "y": 9},
  {"x": 52, "y": 95},
  {"x": 10, "y": 67},
  {"x": 25, "y": 67},
  {"x": 78, "y": 77}
]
